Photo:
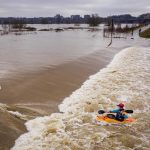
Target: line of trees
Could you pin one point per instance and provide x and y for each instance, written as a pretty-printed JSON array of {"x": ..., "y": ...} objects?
[
  {"x": 14, "y": 24},
  {"x": 18, "y": 24}
]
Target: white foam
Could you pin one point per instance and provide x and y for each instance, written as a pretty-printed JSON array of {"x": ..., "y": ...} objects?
[
  {"x": 126, "y": 79},
  {"x": 3, "y": 107},
  {"x": 19, "y": 115}
]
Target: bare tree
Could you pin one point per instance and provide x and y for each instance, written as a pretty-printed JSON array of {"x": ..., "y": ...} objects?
[
  {"x": 94, "y": 20},
  {"x": 18, "y": 24}
]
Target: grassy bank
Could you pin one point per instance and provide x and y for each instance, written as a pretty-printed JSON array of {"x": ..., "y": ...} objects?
[{"x": 145, "y": 33}]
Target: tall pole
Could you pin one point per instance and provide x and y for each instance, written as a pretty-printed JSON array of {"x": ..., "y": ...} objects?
[{"x": 112, "y": 29}]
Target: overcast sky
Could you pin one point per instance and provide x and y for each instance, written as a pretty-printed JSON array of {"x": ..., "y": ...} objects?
[{"x": 48, "y": 8}]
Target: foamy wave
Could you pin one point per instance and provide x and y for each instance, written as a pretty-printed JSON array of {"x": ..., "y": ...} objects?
[
  {"x": 6, "y": 108},
  {"x": 19, "y": 115},
  {"x": 127, "y": 79},
  {"x": 3, "y": 107},
  {"x": 112, "y": 84}
]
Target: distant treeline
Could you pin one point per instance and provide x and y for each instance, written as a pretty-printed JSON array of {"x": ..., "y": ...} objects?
[{"x": 76, "y": 19}]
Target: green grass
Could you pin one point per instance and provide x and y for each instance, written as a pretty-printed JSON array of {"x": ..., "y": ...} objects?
[
  {"x": 145, "y": 33},
  {"x": 128, "y": 29}
]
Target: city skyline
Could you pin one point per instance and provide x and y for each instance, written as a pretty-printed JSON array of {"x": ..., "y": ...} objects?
[{"x": 48, "y": 8}]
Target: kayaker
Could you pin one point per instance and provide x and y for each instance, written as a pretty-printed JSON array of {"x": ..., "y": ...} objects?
[{"x": 120, "y": 115}]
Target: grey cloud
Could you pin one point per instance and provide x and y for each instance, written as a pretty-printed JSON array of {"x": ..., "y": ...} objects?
[{"x": 30, "y": 8}]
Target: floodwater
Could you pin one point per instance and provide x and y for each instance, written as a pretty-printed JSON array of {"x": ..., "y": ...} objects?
[
  {"x": 39, "y": 69},
  {"x": 35, "y": 50},
  {"x": 126, "y": 79},
  {"x": 32, "y": 51}
]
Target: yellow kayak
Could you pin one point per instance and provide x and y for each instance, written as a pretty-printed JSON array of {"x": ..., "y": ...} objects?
[{"x": 109, "y": 120}]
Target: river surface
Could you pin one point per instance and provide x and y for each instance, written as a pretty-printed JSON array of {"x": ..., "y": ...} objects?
[
  {"x": 127, "y": 80},
  {"x": 34, "y": 50},
  {"x": 37, "y": 50},
  {"x": 39, "y": 69}
]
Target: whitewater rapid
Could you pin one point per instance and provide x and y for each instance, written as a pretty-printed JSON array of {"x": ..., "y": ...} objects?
[{"x": 126, "y": 79}]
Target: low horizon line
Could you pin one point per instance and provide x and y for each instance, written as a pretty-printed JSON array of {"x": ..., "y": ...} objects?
[{"x": 73, "y": 15}]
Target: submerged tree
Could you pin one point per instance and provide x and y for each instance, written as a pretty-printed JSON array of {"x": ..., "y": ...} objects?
[
  {"x": 18, "y": 23},
  {"x": 94, "y": 20},
  {"x": 5, "y": 28}
]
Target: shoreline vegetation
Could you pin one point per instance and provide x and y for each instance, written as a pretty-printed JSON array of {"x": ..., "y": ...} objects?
[
  {"x": 145, "y": 33},
  {"x": 116, "y": 28}
]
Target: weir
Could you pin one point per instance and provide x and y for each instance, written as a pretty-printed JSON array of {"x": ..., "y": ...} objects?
[{"x": 126, "y": 79}]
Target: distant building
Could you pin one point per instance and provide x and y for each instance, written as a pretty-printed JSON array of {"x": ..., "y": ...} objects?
[
  {"x": 58, "y": 19},
  {"x": 86, "y": 18},
  {"x": 76, "y": 19},
  {"x": 67, "y": 20}
]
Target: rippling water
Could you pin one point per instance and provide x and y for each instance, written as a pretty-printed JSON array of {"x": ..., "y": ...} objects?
[
  {"x": 126, "y": 79},
  {"x": 35, "y": 50},
  {"x": 61, "y": 61}
]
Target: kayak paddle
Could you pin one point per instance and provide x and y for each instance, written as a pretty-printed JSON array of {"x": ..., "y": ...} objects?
[{"x": 127, "y": 111}]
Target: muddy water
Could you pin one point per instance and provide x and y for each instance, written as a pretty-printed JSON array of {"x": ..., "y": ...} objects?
[
  {"x": 34, "y": 81},
  {"x": 47, "y": 62},
  {"x": 126, "y": 79},
  {"x": 40, "y": 93}
]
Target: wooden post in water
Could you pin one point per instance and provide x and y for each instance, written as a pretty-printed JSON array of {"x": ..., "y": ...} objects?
[{"x": 112, "y": 29}]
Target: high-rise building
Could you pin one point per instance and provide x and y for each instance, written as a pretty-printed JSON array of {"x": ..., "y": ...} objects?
[
  {"x": 76, "y": 18},
  {"x": 58, "y": 19},
  {"x": 86, "y": 18}
]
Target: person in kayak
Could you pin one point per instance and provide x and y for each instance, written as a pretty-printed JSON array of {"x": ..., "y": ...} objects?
[{"x": 120, "y": 116}]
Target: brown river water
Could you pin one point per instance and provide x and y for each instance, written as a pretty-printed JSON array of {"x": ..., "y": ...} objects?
[{"x": 38, "y": 70}]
